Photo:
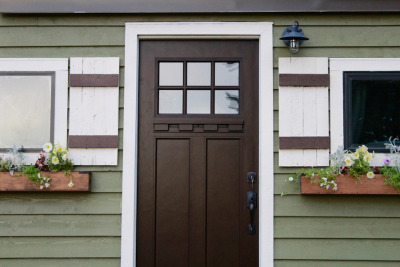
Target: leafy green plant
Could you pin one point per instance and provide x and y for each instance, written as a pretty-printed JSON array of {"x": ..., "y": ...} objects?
[
  {"x": 392, "y": 173},
  {"x": 327, "y": 176},
  {"x": 342, "y": 162},
  {"x": 55, "y": 161},
  {"x": 35, "y": 175},
  {"x": 358, "y": 162},
  {"x": 14, "y": 160},
  {"x": 5, "y": 165}
]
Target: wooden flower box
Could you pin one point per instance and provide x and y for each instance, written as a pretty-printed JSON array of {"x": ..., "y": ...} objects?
[
  {"x": 59, "y": 182},
  {"x": 348, "y": 185}
]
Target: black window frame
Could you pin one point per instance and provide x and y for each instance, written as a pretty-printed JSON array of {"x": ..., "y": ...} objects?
[{"x": 348, "y": 77}]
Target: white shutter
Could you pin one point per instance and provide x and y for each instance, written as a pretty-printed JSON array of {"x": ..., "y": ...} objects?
[
  {"x": 93, "y": 111},
  {"x": 303, "y": 112}
]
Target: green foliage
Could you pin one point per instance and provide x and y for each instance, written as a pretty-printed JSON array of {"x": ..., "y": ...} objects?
[
  {"x": 327, "y": 176},
  {"x": 392, "y": 176},
  {"x": 57, "y": 160},
  {"x": 359, "y": 168},
  {"x": 34, "y": 174},
  {"x": 342, "y": 161},
  {"x": 5, "y": 165},
  {"x": 358, "y": 162}
]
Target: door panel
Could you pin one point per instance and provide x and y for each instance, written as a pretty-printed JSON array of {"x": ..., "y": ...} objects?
[
  {"x": 223, "y": 201},
  {"x": 172, "y": 209},
  {"x": 194, "y": 155}
]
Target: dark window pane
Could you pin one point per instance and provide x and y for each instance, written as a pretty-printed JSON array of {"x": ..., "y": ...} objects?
[{"x": 374, "y": 109}]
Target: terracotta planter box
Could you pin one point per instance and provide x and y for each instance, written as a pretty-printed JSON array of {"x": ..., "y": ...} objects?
[
  {"x": 348, "y": 185},
  {"x": 59, "y": 182}
]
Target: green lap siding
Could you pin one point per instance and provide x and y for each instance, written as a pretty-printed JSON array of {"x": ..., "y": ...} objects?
[{"x": 84, "y": 229}]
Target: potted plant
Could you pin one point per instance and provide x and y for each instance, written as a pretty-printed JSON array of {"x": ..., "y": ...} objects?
[
  {"x": 52, "y": 171},
  {"x": 351, "y": 173}
]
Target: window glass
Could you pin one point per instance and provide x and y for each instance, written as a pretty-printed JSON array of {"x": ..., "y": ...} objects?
[
  {"x": 25, "y": 108},
  {"x": 198, "y": 102},
  {"x": 170, "y": 102},
  {"x": 372, "y": 109},
  {"x": 227, "y": 74},
  {"x": 227, "y": 102},
  {"x": 170, "y": 74},
  {"x": 199, "y": 73}
]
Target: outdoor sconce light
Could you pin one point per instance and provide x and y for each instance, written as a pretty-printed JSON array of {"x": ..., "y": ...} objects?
[{"x": 293, "y": 36}]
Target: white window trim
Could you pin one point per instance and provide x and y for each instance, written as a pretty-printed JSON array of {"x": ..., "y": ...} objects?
[
  {"x": 60, "y": 67},
  {"x": 197, "y": 30},
  {"x": 337, "y": 67}
]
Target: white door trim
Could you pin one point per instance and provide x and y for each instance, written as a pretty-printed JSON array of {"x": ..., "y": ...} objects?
[{"x": 197, "y": 30}]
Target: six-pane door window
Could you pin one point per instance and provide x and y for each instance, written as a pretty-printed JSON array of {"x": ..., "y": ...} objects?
[{"x": 189, "y": 87}]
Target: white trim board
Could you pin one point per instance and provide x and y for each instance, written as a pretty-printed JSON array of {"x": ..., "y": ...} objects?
[
  {"x": 337, "y": 67},
  {"x": 198, "y": 30}
]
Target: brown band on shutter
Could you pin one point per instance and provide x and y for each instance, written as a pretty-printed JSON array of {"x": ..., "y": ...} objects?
[
  {"x": 317, "y": 142},
  {"x": 93, "y": 80},
  {"x": 93, "y": 141},
  {"x": 304, "y": 80}
]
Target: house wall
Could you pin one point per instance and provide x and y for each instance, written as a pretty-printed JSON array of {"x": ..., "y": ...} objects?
[{"x": 64, "y": 229}]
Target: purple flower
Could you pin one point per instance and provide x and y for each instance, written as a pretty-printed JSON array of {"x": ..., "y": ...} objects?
[{"x": 386, "y": 161}]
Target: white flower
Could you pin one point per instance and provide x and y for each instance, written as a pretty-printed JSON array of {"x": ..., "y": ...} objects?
[
  {"x": 55, "y": 160},
  {"x": 64, "y": 157},
  {"x": 335, "y": 187},
  {"x": 41, "y": 186},
  {"x": 325, "y": 179},
  {"x": 47, "y": 185},
  {"x": 321, "y": 185},
  {"x": 58, "y": 148},
  {"x": 368, "y": 158},
  {"x": 291, "y": 179},
  {"x": 71, "y": 184},
  {"x": 356, "y": 155},
  {"x": 348, "y": 161},
  {"x": 327, "y": 187},
  {"x": 38, "y": 175},
  {"x": 47, "y": 147},
  {"x": 362, "y": 149},
  {"x": 370, "y": 175}
]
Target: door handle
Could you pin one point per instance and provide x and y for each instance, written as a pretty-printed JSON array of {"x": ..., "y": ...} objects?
[{"x": 252, "y": 205}]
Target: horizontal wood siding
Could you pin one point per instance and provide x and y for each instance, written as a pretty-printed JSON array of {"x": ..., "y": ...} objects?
[{"x": 83, "y": 229}]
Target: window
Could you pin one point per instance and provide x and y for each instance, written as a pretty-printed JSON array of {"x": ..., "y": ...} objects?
[
  {"x": 362, "y": 109},
  {"x": 27, "y": 106},
  {"x": 371, "y": 113},
  {"x": 33, "y": 103},
  {"x": 198, "y": 88}
]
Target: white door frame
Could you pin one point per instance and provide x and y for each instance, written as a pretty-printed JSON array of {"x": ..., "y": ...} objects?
[{"x": 197, "y": 30}]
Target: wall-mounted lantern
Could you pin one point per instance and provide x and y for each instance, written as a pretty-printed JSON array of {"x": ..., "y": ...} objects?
[{"x": 293, "y": 36}]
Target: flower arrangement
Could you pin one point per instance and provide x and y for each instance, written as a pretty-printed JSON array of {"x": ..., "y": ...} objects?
[
  {"x": 355, "y": 164},
  {"x": 54, "y": 158}
]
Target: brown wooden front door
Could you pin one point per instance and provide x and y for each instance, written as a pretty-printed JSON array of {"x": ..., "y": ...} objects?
[{"x": 198, "y": 140}]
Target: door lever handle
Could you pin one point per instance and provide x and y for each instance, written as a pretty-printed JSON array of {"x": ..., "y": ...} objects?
[{"x": 252, "y": 205}]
